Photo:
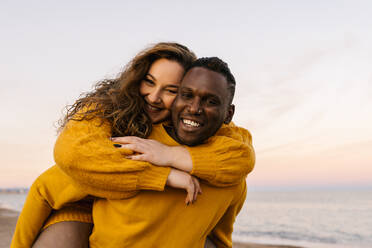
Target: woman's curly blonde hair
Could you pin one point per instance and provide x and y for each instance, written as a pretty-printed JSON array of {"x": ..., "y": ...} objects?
[{"x": 118, "y": 100}]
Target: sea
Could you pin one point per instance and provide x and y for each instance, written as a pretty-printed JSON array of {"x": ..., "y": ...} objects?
[
  {"x": 319, "y": 219},
  {"x": 312, "y": 219}
]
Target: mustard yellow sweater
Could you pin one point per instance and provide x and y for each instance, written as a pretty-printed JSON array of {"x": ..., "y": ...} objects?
[
  {"x": 84, "y": 151},
  {"x": 161, "y": 218}
]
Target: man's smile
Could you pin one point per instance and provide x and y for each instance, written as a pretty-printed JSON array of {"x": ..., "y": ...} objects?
[{"x": 191, "y": 125}]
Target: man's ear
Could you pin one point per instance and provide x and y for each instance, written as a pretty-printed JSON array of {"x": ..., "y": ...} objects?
[{"x": 230, "y": 114}]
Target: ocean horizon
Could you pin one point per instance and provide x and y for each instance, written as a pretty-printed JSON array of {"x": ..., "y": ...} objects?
[{"x": 339, "y": 218}]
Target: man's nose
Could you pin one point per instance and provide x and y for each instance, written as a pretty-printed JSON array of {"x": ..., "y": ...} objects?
[
  {"x": 154, "y": 97},
  {"x": 195, "y": 107}
]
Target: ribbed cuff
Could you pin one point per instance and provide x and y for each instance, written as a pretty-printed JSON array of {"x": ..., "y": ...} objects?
[
  {"x": 201, "y": 165},
  {"x": 153, "y": 178}
]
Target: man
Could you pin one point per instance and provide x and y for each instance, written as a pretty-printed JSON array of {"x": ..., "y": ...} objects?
[{"x": 160, "y": 219}]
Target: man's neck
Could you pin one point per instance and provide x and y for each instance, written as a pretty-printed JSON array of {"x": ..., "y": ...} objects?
[{"x": 171, "y": 132}]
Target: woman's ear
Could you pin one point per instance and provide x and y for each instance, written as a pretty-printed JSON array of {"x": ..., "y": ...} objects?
[{"x": 230, "y": 114}]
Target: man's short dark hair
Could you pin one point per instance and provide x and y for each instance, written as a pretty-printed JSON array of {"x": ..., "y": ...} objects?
[{"x": 217, "y": 65}]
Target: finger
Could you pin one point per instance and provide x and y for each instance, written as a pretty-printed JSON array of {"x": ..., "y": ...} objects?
[
  {"x": 126, "y": 139},
  {"x": 195, "y": 191},
  {"x": 197, "y": 188},
  {"x": 137, "y": 157},
  {"x": 187, "y": 200},
  {"x": 190, "y": 193},
  {"x": 190, "y": 196},
  {"x": 134, "y": 147}
]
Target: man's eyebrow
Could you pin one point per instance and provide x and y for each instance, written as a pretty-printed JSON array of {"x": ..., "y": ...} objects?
[
  {"x": 185, "y": 88},
  {"x": 205, "y": 95},
  {"x": 213, "y": 96}
]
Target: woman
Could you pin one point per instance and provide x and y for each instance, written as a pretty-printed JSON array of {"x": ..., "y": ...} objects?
[{"x": 128, "y": 105}]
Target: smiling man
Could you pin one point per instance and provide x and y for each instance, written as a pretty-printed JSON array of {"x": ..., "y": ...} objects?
[
  {"x": 204, "y": 101},
  {"x": 160, "y": 218}
]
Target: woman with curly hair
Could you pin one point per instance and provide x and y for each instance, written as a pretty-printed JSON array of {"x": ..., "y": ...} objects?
[{"x": 126, "y": 106}]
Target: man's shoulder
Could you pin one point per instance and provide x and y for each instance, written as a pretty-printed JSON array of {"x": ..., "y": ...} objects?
[{"x": 236, "y": 132}]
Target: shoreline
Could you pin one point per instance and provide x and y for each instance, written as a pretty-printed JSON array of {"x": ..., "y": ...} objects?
[
  {"x": 8, "y": 220},
  {"x": 255, "y": 245}
]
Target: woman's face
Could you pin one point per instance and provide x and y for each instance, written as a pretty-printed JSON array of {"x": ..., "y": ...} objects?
[{"x": 160, "y": 87}]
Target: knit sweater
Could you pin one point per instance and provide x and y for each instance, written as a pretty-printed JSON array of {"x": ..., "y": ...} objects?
[{"x": 84, "y": 151}]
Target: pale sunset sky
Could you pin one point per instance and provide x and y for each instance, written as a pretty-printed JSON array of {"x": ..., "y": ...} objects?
[{"x": 303, "y": 72}]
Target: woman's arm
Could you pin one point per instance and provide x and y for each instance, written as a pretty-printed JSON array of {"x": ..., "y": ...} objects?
[
  {"x": 224, "y": 160},
  {"x": 84, "y": 151}
]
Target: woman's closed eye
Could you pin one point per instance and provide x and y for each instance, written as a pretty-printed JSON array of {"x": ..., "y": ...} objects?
[
  {"x": 148, "y": 81},
  {"x": 173, "y": 91}
]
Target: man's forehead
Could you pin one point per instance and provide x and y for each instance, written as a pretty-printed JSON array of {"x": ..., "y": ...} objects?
[{"x": 202, "y": 79}]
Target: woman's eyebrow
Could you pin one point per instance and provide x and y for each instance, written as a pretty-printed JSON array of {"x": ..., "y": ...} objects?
[
  {"x": 154, "y": 79},
  {"x": 151, "y": 76}
]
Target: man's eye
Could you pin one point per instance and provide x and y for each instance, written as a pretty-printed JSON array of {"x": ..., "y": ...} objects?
[
  {"x": 186, "y": 95},
  {"x": 213, "y": 102}
]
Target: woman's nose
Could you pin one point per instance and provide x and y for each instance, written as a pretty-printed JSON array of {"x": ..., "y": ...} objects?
[{"x": 154, "y": 97}]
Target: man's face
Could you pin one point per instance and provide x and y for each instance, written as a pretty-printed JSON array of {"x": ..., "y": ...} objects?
[{"x": 201, "y": 107}]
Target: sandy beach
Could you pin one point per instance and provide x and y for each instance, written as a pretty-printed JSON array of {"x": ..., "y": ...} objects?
[{"x": 8, "y": 219}]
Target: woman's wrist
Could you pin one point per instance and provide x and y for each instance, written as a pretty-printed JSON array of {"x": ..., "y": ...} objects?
[
  {"x": 180, "y": 158},
  {"x": 183, "y": 180}
]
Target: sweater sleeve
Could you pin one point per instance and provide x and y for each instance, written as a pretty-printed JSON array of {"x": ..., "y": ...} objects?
[
  {"x": 221, "y": 235},
  {"x": 84, "y": 152},
  {"x": 226, "y": 158}
]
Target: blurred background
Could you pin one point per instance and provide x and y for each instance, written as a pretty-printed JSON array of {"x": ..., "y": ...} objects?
[{"x": 303, "y": 71}]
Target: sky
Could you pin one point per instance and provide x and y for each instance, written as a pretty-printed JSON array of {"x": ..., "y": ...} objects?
[{"x": 303, "y": 72}]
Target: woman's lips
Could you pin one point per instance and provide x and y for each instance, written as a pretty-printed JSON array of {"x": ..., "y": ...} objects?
[{"x": 153, "y": 109}]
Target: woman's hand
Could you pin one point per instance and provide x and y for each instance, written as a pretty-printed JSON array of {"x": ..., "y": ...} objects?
[
  {"x": 183, "y": 180},
  {"x": 156, "y": 153}
]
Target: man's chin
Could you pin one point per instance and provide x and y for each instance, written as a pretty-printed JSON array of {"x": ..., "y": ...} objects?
[
  {"x": 185, "y": 139},
  {"x": 190, "y": 143}
]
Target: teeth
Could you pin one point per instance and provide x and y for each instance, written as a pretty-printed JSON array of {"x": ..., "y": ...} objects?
[{"x": 191, "y": 123}]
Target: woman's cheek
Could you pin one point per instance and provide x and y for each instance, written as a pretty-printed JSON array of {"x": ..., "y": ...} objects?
[{"x": 168, "y": 101}]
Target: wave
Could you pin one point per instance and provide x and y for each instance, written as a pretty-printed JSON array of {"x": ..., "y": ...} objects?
[
  {"x": 7, "y": 206},
  {"x": 295, "y": 236},
  {"x": 12, "y": 201}
]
